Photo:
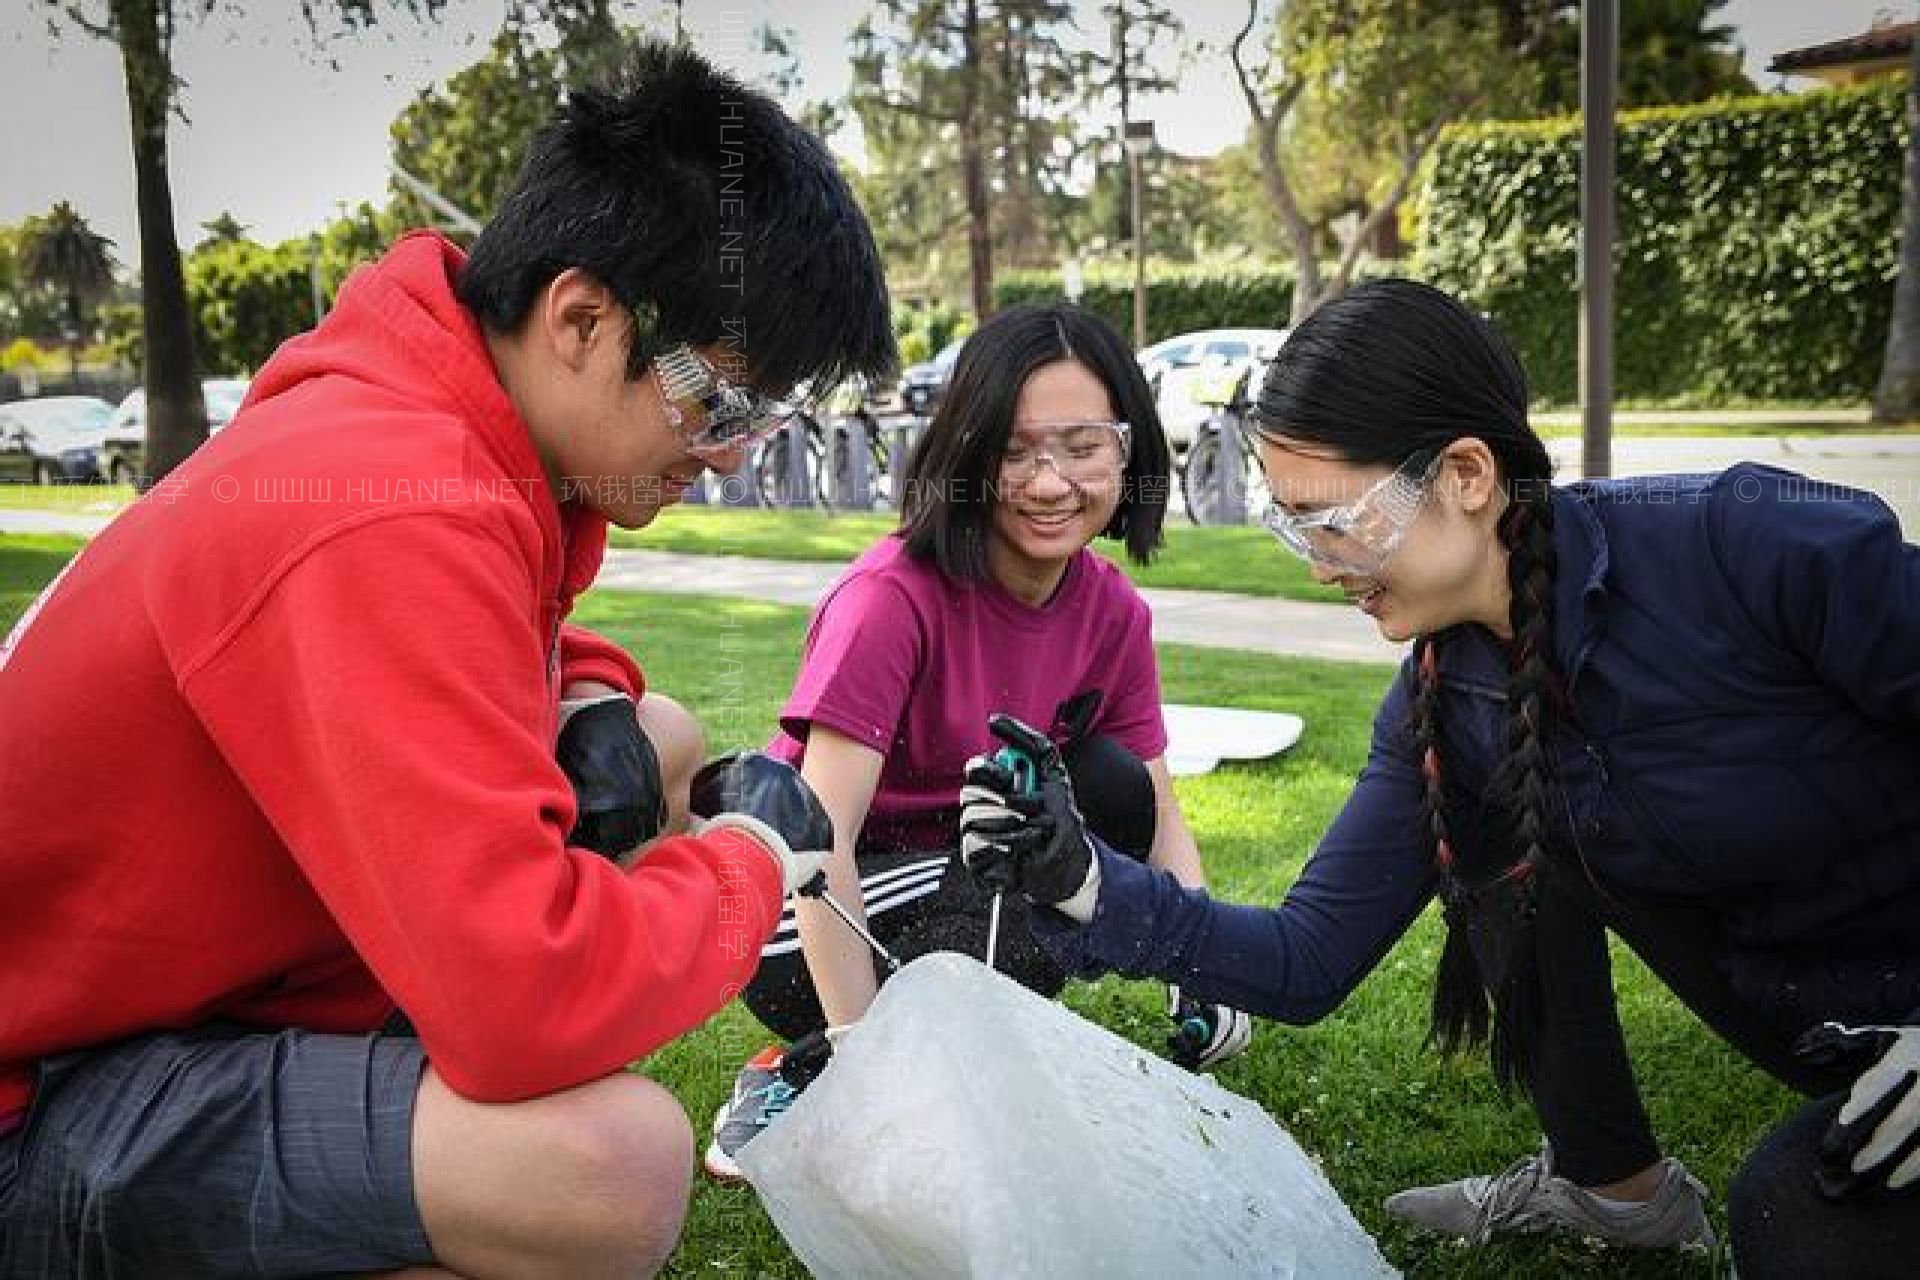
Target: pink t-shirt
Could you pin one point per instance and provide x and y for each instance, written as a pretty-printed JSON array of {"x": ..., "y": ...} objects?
[{"x": 911, "y": 663}]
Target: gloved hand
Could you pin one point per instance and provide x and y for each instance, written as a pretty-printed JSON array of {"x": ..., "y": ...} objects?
[
  {"x": 619, "y": 801},
  {"x": 803, "y": 1060},
  {"x": 1876, "y": 1137},
  {"x": 1204, "y": 1035},
  {"x": 1036, "y": 843},
  {"x": 768, "y": 799}
]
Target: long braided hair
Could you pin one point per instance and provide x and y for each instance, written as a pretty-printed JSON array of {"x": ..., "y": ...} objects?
[{"x": 1393, "y": 370}]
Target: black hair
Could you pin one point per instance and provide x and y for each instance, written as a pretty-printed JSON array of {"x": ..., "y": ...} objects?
[
  {"x": 1388, "y": 371},
  {"x": 953, "y": 475},
  {"x": 713, "y": 217}
]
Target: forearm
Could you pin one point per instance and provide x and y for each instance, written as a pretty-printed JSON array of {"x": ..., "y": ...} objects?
[
  {"x": 1174, "y": 849},
  {"x": 1294, "y": 962},
  {"x": 837, "y": 958}
]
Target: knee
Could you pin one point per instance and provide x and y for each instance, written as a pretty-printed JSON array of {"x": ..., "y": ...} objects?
[
  {"x": 1777, "y": 1222},
  {"x": 627, "y": 1153},
  {"x": 1115, "y": 793},
  {"x": 681, "y": 746},
  {"x": 590, "y": 1182}
]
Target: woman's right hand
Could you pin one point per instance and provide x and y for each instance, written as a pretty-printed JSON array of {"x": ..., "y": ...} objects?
[{"x": 1033, "y": 841}]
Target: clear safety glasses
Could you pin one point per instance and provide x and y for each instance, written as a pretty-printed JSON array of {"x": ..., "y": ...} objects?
[
  {"x": 712, "y": 412},
  {"x": 1360, "y": 537},
  {"x": 1081, "y": 453}
]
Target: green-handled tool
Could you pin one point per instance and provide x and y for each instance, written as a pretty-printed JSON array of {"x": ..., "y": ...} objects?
[{"x": 1026, "y": 782}]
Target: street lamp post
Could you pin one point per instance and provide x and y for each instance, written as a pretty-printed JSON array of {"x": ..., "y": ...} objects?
[
  {"x": 1139, "y": 140},
  {"x": 1599, "y": 69}
]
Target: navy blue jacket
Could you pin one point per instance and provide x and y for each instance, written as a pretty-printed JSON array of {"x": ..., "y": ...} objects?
[{"x": 1742, "y": 653}]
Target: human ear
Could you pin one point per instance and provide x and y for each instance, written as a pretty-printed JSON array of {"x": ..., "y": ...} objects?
[
  {"x": 575, "y": 312},
  {"x": 1470, "y": 474}
]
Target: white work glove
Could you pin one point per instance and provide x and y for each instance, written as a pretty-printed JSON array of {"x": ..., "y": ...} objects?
[
  {"x": 1876, "y": 1137},
  {"x": 1205, "y": 1035}
]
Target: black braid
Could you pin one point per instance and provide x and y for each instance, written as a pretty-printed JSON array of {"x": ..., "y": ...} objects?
[
  {"x": 1519, "y": 797},
  {"x": 1459, "y": 1014},
  {"x": 1489, "y": 907}
]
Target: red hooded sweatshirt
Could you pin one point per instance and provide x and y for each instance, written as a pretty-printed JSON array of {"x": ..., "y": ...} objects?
[{"x": 278, "y": 746}]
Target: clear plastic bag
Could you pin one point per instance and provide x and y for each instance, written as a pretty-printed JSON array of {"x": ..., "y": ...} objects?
[{"x": 967, "y": 1127}]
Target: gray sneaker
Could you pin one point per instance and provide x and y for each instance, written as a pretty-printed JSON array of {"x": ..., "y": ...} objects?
[
  {"x": 1529, "y": 1196},
  {"x": 759, "y": 1097}
]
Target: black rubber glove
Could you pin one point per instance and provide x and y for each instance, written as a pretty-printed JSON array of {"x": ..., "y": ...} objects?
[
  {"x": 769, "y": 798},
  {"x": 619, "y": 799},
  {"x": 1034, "y": 841}
]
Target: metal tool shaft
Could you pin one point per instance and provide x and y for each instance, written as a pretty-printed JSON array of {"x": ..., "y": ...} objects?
[
  {"x": 993, "y": 931},
  {"x": 818, "y": 889}
]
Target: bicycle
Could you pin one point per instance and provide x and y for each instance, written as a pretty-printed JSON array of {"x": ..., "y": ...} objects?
[{"x": 1208, "y": 500}]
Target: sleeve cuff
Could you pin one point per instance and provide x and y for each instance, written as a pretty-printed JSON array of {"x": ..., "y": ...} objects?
[
  {"x": 748, "y": 870},
  {"x": 586, "y": 656}
]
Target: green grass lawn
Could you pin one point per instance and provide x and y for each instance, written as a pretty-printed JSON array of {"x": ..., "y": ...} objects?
[
  {"x": 1244, "y": 560},
  {"x": 1357, "y": 1090}
]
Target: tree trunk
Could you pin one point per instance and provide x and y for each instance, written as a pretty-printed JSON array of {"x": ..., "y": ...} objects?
[
  {"x": 1273, "y": 174},
  {"x": 176, "y": 411},
  {"x": 73, "y": 339},
  {"x": 1897, "y": 397},
  {"x": 973, "y": 162}
]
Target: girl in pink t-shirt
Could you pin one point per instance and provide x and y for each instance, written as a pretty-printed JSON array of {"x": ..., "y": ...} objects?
[{"x": 986, "y": 599}]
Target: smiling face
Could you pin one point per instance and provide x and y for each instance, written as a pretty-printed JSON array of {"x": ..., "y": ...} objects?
[
  {"x": 1448, "y": 568},
  {"x": 1047, "y": 508}
]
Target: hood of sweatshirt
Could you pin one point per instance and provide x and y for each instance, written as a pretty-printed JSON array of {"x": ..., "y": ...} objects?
[{"x": 401, "y": 336}]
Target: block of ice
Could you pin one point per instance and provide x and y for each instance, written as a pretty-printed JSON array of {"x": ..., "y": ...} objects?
[{"x": 967, "y": 1127}]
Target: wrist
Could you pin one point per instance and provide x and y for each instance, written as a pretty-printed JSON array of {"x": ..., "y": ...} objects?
[
  {"x": 574, "y": 705},
  {"x": 1080, "y": 905}
]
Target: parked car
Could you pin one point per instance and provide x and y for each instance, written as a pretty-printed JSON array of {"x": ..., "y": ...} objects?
[
  {"x": 923, "y": 385},
  {"x": 52, "y": 439},
  {"x": 124, "y": 452},
  {"x": 1184, "y": 372}
]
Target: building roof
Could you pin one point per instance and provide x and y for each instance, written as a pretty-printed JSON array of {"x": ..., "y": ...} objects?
[{"x": 1889, "y": 40}]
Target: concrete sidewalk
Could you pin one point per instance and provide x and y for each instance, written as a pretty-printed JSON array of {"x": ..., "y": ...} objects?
[{"x": 1214, "y": 619}]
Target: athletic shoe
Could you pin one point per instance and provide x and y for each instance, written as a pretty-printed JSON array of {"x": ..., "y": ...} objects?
[
  {"x": 759, "y": 1094},
  {"x": 1529, "y": 1196}
]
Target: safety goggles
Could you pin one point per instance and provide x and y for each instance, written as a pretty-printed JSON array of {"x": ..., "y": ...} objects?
[
  {"x": 1360, "y": 537},
  {"x": 1081, "y": 453},
  {"x": 711, "y": 411}
]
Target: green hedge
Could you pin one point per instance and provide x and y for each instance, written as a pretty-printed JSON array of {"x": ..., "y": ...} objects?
[
  {"x": 1180, "y": 299},
  {"x": 1758, "y": 242}
]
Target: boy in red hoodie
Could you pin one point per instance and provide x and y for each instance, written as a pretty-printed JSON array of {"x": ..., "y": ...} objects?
[{"x": 282, "y": 751}]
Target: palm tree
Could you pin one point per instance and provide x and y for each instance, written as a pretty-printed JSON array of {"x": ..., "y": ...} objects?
[
  {"x": 61, "y": 252},
  {"x": 224, "y": 229}
]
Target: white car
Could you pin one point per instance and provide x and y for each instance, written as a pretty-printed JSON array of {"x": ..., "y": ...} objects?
[
  {"x": 223, "y": 397},
  {"x": 124, "y": 451},
  {"x": 1185, "y": 372}
]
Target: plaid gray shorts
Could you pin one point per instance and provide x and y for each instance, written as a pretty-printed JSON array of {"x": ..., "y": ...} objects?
[{"x": 217, "y": 1151}]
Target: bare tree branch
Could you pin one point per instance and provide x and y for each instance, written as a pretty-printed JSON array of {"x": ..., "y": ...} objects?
[{"x": 1267, "y": 120}]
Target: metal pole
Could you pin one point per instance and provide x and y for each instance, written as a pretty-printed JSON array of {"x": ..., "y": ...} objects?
[
  {"x": 853, "y": 430},
  {"x": 1136, "y": 141},
  {"x": 797, "y": 479},
  {"x": 1599, "y": 58},
  {"x": 1134, "y": 164}
]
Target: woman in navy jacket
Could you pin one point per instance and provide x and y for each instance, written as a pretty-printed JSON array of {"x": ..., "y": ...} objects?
[{"x": 1685, "y": 709}]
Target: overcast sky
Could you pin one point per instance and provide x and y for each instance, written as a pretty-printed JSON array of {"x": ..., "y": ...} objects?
[{"x": 280, "y": 137}]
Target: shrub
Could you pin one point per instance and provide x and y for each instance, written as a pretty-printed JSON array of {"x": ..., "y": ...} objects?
[{"x": 1757, "y": 244}]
